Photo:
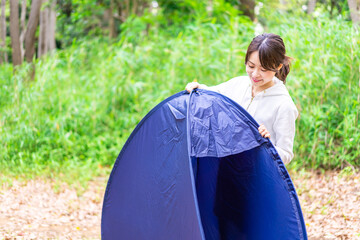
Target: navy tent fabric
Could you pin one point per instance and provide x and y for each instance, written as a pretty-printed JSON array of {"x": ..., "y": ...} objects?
[{"x": 196, "y": 168}]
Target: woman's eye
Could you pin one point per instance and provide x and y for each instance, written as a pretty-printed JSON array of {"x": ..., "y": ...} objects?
[
  {"x": 263, "y": 70},
  {"x": 251, "y": 66}
]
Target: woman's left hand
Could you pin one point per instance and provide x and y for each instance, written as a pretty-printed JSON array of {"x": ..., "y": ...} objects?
[{"x": 263, "y": 131}]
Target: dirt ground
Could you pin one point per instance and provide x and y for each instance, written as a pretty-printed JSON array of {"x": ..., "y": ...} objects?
[{"x": 39, "y": 209}]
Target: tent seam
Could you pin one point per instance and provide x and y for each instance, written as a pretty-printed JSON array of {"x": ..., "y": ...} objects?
[{"x": 188, "y": 128}]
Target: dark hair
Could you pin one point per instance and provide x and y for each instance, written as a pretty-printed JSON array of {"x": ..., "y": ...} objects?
[{"x": 271, "y": 54}]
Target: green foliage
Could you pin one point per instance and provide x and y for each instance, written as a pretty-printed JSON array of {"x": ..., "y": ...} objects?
[
  {"x": 324, "y": 82},
  {"x": 86, "y": 99},
  {"x": 79, "y": 19},
  {"x": 88, "y": 19},
  {"x": 184, "y": 12}
]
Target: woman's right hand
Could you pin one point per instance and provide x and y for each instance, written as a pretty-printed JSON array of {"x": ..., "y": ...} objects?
[
  {"x": 191, "y": 86},
  {"x": 263, "y": 131}
]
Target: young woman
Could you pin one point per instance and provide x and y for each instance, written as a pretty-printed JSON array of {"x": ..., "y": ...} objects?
[{"x": 263, "y": 93}]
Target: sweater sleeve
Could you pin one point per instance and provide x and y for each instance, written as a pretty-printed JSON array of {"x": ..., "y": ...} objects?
[
  {"x": 284, "y": 127},
  {"x": 223, "y": 88}
]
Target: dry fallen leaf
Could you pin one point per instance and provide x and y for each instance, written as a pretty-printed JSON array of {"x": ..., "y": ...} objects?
[{"x": 41, "y": 210}]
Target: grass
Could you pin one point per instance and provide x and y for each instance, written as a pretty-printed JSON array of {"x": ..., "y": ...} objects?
[
  {"x": 86, "y": 100},
  {"x": 73, "y": 119},
  {"x": 326, "y": 89}
]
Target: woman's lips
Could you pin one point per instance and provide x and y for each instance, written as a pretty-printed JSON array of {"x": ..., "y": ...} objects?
[{"x": 256, "y": 80}]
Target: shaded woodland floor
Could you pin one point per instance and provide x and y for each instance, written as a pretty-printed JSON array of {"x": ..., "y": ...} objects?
[{"x": 39, "y": 209}]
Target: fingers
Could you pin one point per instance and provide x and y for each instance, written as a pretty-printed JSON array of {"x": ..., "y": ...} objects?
[
  {"x": 191, "y": 86},
  {"x": 263, "y": 131}
]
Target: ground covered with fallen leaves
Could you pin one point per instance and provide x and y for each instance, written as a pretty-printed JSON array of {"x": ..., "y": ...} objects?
[{"x": 40, "y": 209}]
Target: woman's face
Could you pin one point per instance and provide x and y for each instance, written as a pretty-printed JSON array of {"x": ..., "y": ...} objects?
[{"x": 260, "y": 77}]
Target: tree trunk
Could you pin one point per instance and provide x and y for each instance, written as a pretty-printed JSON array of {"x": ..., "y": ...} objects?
[
  {"x": 112, "y": 30},
  {"x": 354, "y": 12},
  {"x": 52, "y": 26},
  {"x": 311, "y": 6},
  {"x": 209, "y": 7},
  {"x": 127, "y": 9},
  {"x": 23, "y": 27},
  {"x": 31, "y": 30},
  {"x": 15, "y": 32},
  {"x": 3, "y": 53},
  {"x": 283, "y": 6},
  {"x": 47, "y": 24},
  {"x": 134, "y": 6},
  {"x": 248, "y": 8},
  {"x": 42, "y": 46}
]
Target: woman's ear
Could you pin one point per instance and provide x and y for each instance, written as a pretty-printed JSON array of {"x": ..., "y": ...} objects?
[{"x": 280, "y": 66}]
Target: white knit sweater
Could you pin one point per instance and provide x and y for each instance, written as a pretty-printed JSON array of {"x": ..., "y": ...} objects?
[{"x": 272, "y": 107}]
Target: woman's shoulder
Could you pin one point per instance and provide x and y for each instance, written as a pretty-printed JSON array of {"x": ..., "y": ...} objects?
[
  {"x": 232, "y": 85},
  {"x": 241, "y": 79},
  {"x": 279, "y": 96},
  {"x": 239, "y": 82},
  {"x": 287, "y": 105}
]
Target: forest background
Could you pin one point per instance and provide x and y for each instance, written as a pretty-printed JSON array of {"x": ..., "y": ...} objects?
[{"x": 78, "y": 75}]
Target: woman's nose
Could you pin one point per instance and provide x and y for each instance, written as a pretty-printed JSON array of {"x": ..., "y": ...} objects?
[{"x": 256, "y": 73}]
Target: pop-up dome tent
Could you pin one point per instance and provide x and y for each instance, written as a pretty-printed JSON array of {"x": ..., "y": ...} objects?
[{"x": 196, "y": 167}]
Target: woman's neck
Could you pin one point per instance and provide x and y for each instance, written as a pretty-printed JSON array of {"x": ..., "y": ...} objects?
[{"x": 257, "y": 89}]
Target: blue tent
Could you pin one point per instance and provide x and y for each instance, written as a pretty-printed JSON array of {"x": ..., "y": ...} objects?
[{"x": 196, "y": 168}]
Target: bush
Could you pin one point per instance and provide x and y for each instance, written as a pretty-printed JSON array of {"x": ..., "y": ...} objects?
[{"x": 86, "y": 99}]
